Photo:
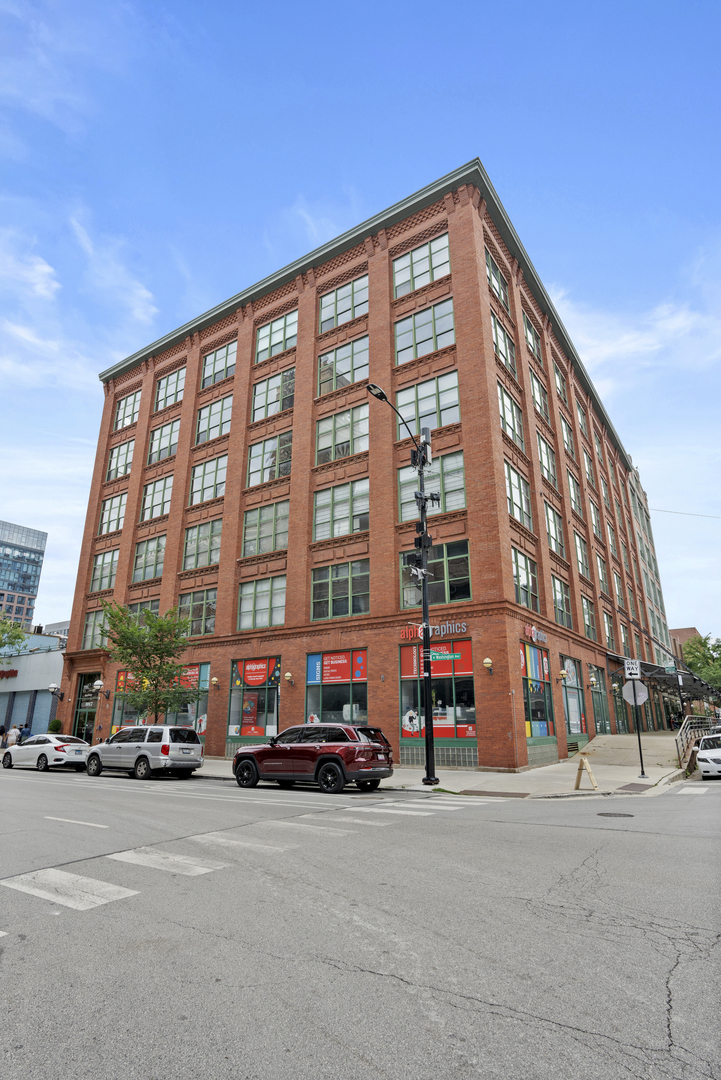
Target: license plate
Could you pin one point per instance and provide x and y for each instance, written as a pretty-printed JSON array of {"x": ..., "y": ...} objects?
[
  {"x": 78, "y": 751},
  {"x": 381, "y": 757},
  {"x": 187, "y": 751}
]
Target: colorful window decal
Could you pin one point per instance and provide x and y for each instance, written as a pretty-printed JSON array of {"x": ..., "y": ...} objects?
[
  {"x": 454, "y": 711},
  {"x": 336, "y": 687},
  {"x": 536, "y": 691},
  {"x": 254, "y": 697}
]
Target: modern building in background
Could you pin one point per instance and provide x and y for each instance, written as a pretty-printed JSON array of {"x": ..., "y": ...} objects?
[
  {"x": 21, "y": 560},
  {"x": 24, "y": 681},
  {"x": 57, "y": 629},
  {"x": 244, "y": 475}
]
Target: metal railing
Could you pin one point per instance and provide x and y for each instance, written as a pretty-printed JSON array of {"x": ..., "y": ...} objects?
[{"x": 692, "y": 728}]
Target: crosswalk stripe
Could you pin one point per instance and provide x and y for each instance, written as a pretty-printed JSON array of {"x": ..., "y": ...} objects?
[
  {"x": 71, "y": 821},
  {"x": 163, "y": 860},
  {"x": 300, "y": 825},
  {"x": 383, "y": 810},
  {"x": 356, "y": 821},
  {"x": 226, "y": 841},
  {"x": 697, "y": 789},
  {"x": 3, "y": 933},
  {"x": 431, "y": 802},
  {"x": 70, "y": 890}
]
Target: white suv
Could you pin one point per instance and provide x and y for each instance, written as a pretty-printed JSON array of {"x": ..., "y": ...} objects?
[{"x": 142, "y": 751}]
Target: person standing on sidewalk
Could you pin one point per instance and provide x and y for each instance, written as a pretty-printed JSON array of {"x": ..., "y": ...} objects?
[{"x": 13, "y": 735}]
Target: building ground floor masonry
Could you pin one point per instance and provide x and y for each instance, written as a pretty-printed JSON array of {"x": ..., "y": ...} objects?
[{"x": 544, "y": 694}]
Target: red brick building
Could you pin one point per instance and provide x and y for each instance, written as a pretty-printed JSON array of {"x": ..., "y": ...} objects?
[{"x": 244, "y": 472}]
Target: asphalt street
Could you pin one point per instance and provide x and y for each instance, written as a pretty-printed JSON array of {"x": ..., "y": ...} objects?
[{"x": 166, "y": 930}]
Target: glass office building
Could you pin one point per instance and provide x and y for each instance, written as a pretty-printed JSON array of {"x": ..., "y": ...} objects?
[{"x": 21, "y": 560}]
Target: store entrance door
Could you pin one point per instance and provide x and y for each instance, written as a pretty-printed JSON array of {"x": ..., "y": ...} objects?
[{"x": 86, "y": 708}]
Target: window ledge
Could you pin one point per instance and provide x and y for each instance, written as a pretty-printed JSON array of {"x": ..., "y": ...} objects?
[
  {"x": 120, "y": 435},
  {"x": 333, "y": 394},
  {"x": 266, "y": 556},
  {"x": 353, "y": 326},
  {"x": 269, "y": 422},
  {"x": 100, "y": 593},
  {"x": 500, "y": 305},
  {"x": 522, "y": 530},
  {"x": 508, "y": 374},
  {"x": 340, "y": 463},
  {"x": 213, "y": 443},
  {"x": 271, "y": 364},
  {"x": 166, "y": 409},
  {"x": 426, "y": 293},
  {"x": 221, "y": 384},
  {"x": 199, "y": 570},
  {"x": 344, "y": 539},
  {"x": 145, "y": 583},
  {"x": 204, "y": 505},
  {"x": 439, "y": 359},
  {"x": 578, "y": 519},
  {"x": 159, "y": 464},
  {"x": 153, "y": 521},
  {"x": 108, "y": 535},
  {"x": 515, "y": 448}
]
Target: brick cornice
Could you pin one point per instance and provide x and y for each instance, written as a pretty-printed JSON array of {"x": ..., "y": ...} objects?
[
  {"x": 213, "y": 444},
  {"x": 258, "y": 426},
  {"x": 268, "y": 366},
  {"x": 433, "y": 520},
  {"x": 221, "y": 384},
  {"x": 342, "y": 392},
  {"x": 448, "y": 354},
  {"x": 340, "y": 463},
  {"x": 264, "y": 557},
  {"x": 426, "y": 293},
  {"x": 357, "y": 326},
  {"x": 515, "y": 448},
  {"x": 522, "y": 530}
]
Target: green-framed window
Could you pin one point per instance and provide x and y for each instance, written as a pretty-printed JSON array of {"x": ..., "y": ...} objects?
[
  {"x": 446, "y": 476},
  {"x": 139, "y": 609},
  {"x": 573, "y": 697},
  {"x": 343, "y": 366},
  {"x": 199, "y": 607},
  {"x": 120, "y": 460},
  {"x": 93, "y": 631},
  {"x": 265, "y": 528},
  {"x": 340, "y": 590},
  {"x": 560, "y": 380},
  {"x": 340, "y": 510},
  {"x": 433, "y": 403},
  {"x": 112, "y": 513},
  {"x": 261, "y": 603},
  {"x": 624, "y": 555},
  {"x": 554, "y": 531},
  {"x": 452, "y": 693},
  {"x": 525, "y": 579},
  {"x": 421, "y": 266},
  {"x": 163, "y": 442},
  {"x": 207, "y": 480},
  {"x": 518, "y": 494},
  {"x": 618, "y": 586},
  {"x": 589, "y": 618},
  {"x": 612, "y": 538},
  {"x": 344, "y": 303},
  {"x": 449, "y": 575},
  {"x": 253, "y": 710},
  {"x": 567, "y": 432},
  {"x": 156, "y": 498},
  {"x": 273, "y": 395},
  {"x": 631, "y": 602},
  {"x": 105, "y": 567},
  {"x": 539, "y": 395},
  {"x": 561, "y": 602},
  {"x": 214, "y": 420},
  {"x": 581, "y": 413},
  {"x": 547, "y": 458},
  {"x": 596, "y": 520},
  {"x": 533, "y": 338},
  {"x": 270, "y": 459},
  {"x": 619, "y": 514},
  {"x": 599, "y": 700},
  {"x": 219, "y": 364},
  {"x": 537, "y": 697},
  {"x": 341, "y": 434},
  {"x": 511, "y": 417},
  {"x": 588, "y": 468},
  {"x": 149, "y": 558},
  {"x": 602, "y": 574},
  {"x": 425, "y": 332},
  {"x": 169, "y": 389},
  {"x": 503, "y": 344},
  {"x": 276, "y": 336},
  {"x": 126, "y": 411},
  {"x": 496, "y": 280},
  {"x": 605, "y": 493},
  {"x": 582, "y": 556},
  {"x": 202, "y": 544},
  {"x": 599, "y": 445},
  {"x": 574, "y": 489},
  {"x": 608, "y": 629},
  {"x": 625, "y": 640}
]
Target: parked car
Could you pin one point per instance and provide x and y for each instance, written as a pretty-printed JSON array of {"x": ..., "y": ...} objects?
[
  {"x": 43, "y": 752},
  {"x": 708, "y": 756},
  {"x": 329, "y": 755},
  {"x": 142, "y": 751}
]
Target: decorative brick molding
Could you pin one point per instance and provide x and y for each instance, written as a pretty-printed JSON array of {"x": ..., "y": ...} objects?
[
  {"x": 269, "y": 423},
  {"x": 492, "y": 243},
  {"x": 273, "y": 364},
  {"x": 550, "y": 488},
  {"x": 99, "y": 595},
  {"x": 127, "y": 390},
  {"x": 440, "y": 226},
  {"x": 415, "y": 220},
  {"x": 121, "y": 435},
  {"x": 508, "y": 378},
  {"x": 164, "y": 413},
  {"x": 439, "y": 433},
  {"x": 103, "y": 537},
  {"x": 434, "y": 521},
  {"x": 180, "y": 346},
  {"x": 578, "y": 520},
  {"x": 515, "y": 449},
  {"x": 503, "y": 316},
  {"x": 209, "y": 392},
  {"x": 338, "y": 334},
  {"x": 275, "y": 296},
  {"x": 152, "y": 521},
  {"x": 345, "y": 257},
  {"x": 253, "y": 560},
  {"x": 268, "y": 486},
  {"x": 157, "y": 468},
  {"x": 437, "y": 361},
  {"x": 522, "y": 530},
  {"x": 199, "y": 571},
  {"x": 175, "y": 365},
  {"x": 111, "y": 487},
  {"x": 212, "y": 445},
  {"x": 561, "y": 564},
  {"x": 353, "y": 546},
  {"x": 262, "y": 566},
  {"x": 341, "y": 279},
  {"x": 333, "y": 395},
  {"x": 216, "y": 328},
  {"x": 341, "y": 463},
  {"x": 422, "y": 297},
  {"x": 268, "y": 316},
  {"x": 322, "y": 545},
  {"x": 196, "y": 507},
  {"x": 135, "y": 585}
]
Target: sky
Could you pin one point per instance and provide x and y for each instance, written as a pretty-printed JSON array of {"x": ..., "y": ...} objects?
[{"x": 156, "y": 159}]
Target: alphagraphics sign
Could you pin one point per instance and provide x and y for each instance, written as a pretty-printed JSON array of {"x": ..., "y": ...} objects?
[
  {"x": 11, "y": 674},
  {"x": 409, "y": 633},
  {"x": 534, "y": 634}
]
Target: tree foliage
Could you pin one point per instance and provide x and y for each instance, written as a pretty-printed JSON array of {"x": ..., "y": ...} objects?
[
  {"x": 11, "y": 636},
  {"x": 703, "y": 656},
  {"x": 149, "y": 650}
]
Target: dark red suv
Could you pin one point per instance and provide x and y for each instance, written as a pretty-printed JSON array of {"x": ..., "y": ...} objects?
[{"x": 329, "y": 755}]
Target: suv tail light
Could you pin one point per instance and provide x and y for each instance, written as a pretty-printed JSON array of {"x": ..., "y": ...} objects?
[{"x": 165, "y": 749}]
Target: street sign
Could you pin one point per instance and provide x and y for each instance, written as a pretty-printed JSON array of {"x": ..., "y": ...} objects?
[
  {"x": 641, "y": 692},
  {"x": 445, "y": 655},
  {"x": 632, "y": 669},
  {"x": 670, "y": 668}
]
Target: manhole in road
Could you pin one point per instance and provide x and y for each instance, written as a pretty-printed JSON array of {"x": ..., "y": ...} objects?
[{"x": 615, "y": 815}]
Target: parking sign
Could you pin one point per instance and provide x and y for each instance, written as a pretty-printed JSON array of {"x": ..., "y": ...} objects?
[{"x": 632, "y": 669}]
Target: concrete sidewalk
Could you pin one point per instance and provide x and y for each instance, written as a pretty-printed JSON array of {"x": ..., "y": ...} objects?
[{"x": 613, "y": 760}]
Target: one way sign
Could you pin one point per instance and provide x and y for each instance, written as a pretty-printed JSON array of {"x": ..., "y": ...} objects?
[{"x": 632, "y": 669}]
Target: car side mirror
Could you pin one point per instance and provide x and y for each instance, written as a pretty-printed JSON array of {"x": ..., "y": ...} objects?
[
  {"x": 107, "y": 740},
  {"x": 272, "y": 740}
]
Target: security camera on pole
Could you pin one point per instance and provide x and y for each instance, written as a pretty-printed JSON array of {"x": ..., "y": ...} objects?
[
  {"x": 421, "y": 457},
  {"x": 635, "y": 693}
]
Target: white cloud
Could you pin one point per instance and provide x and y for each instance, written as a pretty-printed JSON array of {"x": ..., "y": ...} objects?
[
  {"x": 309, "y": 223},
  {"x": 110, "y": 279},
  {"x": 22, "y": 273}
]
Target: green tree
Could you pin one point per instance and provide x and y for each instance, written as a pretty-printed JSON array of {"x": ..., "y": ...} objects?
[
  {"x": 149, "y": 651},
  {"x": 703, "y": 656},
  {"x": 12, "y": 636}
]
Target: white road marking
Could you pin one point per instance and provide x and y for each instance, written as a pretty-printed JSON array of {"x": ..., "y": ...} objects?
[
  {"x": 429, "y": 803},
  {"x": 382, "y": 810},
  {"x": 71, "y": 821},
  {"x": 163, "y": 860},
  {"x": 355, "y": 821},
  {"x": 70, "y": 890},
  {"x": 3, "y": 933},
  {"x": 299, "y": 825},
  {"x": 697, "y": 789},
  {"x": 226, "y": 841}
]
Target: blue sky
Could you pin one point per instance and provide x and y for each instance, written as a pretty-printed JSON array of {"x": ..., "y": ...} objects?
[{"x": 158, "y": 159}]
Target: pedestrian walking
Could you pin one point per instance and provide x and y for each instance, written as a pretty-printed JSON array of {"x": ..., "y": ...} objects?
[
  {"x": 13, "y": 735},
  {"x": 3, "y": 738},
  {"x": 24, "y": 732}
]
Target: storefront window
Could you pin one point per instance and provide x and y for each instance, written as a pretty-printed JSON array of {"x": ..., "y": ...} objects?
[
  {"x": 536, "y": 691},
  {"x": 194, "y": 714},
  {"x": 337, "y": 687},
  {"x": 573, "y": 704},
  {"x": 601, "y": 717},
  {"x": 452, "y": 691},
  {"x": 619, "y": 706},
  {"x": 254, "y": 697}
]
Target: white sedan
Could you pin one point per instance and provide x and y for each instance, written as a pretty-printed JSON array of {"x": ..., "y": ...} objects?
[
  {"x": 708, "y": 756},
  {"x": 43, "y": 752}
]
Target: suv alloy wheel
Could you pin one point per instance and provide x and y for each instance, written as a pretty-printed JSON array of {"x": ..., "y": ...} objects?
[
  {"x": 247, "y": 773},
  {"x": 94, "y": 765},
  {"x": 330, "y": 778},
  {"x": 142, "y": 769}
]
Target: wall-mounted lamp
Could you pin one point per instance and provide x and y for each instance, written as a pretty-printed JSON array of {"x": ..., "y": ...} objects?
[
  {"x": 289, "y": 678},
  {"x": 214, "y": 683},
  {"x": 98, "y": 688},
  {"x": 55, "y": 691},
  {"x": 562, "y": 675},
  {"x": 614, "y": 687},
  {"x": 592, "y": 681},
  {"x": 488, "y": 665}
]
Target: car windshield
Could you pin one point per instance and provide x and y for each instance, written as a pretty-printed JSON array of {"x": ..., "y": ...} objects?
[
  {"x": 183, "y": 735},
  {"x": 711, "y": 742},
  {"x": 371, "y": 734}
]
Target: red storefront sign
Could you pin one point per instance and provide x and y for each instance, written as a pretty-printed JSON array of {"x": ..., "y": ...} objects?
[
  {"x": 190, "y": 677},
  {"x": 255, "y": 672},
  {"x": 336, "y": 667},
  {"x": 249, "y": 716},
  {"x": 461, "y": 665}
]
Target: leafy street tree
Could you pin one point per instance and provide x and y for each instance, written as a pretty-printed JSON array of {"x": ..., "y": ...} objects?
[
  {"x": 149, "y": 651},
  {"x": 703, "y": 656},
  {"x": 11, "y": 636}
]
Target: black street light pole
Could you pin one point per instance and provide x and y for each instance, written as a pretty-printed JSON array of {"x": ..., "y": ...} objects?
[{"x": 420, "y": 457}]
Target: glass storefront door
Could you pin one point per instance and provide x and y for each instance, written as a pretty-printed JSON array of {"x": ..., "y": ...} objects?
[
  {"x": 86, "y": 707},
  {"x": 573, "y": 704}
]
